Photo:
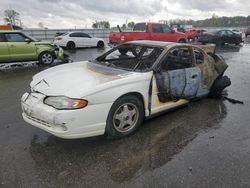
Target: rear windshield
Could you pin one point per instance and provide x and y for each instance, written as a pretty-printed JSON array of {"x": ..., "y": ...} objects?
[{"x": 140, "y": 27}]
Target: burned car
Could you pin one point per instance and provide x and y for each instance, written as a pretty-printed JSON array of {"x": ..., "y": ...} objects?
[{"x": 114, "y": 93}]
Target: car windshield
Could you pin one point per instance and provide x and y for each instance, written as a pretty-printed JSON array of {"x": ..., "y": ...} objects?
[
  {"x": 32, "y": 38},
  {"x": 131, "y": 57}
]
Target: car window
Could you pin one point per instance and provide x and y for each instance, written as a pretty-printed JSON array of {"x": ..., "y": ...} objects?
[
  {"x": 2, "y": 38},
  {"x": 132, "y": 57},
  {"x": 199, "y": 57},
  {"x": 85, "y": 35},
  {"x": 157, "y": 28},
  {"x": 140, "y": 27},
  {"x": 177, "y": 58},
  {"x": 222, "y": 33},
  {"x": 229, "y": 33},
  {"x": 166, "y": 28},
  {"x": 75, "y": 35},
  {"x": 15, "y": 37}
]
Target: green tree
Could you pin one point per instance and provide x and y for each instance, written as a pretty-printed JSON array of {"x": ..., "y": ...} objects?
[
  {"x": 101, "y": 25},
  {"x": 11, "y": 17},
  {"x": 131, "y": 24},
  {"x": 124, "y": 26}
]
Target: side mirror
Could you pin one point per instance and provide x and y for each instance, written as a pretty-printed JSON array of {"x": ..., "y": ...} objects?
[
  {"x": 27, "y": 40},
  {"x": 172, "y": 31}
]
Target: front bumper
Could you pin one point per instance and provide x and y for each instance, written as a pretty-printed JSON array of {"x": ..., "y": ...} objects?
[
  {"x": 59, "y": 53},
  {"x": 64, "y": 123}
]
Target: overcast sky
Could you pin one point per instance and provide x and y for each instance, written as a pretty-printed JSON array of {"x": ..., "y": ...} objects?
[{"x": 82, "y": 13}]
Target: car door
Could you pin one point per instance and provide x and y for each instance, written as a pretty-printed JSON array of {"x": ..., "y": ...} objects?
[
  {"x": 232, "y": 37},
  {"x": 77, "y": 39},
  {"x": 162, "y": 32},
  {"x": 19, "y": 49},
  {"x": 87, "y": 40},
  {"x": 178, "y": 78},
  {"x": 4, "y": 52}
]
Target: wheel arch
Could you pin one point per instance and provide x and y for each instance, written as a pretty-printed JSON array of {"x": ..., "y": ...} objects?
[{"x": 139, "y": 96}]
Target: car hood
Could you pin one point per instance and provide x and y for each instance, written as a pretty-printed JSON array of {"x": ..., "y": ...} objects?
[
  {"x": 76, "y": 80},
  {"x": 43, "y": 43}
]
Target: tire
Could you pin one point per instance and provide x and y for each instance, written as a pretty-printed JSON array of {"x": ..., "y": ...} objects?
[
  {"x": 182, "y": 41},
  {"x": 125, "y": 117},
  {"x": 237, "y": 43},
  {"x": 46, "y": 58},
  {"x": 71, "y": 45},
  {"x": 100, "y": 44},
  {"x": 218, "y": 86},
  {"x": 123, "y": 51}
]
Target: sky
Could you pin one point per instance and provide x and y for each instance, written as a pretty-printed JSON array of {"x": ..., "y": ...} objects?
[{"x": 82, "y": 13}]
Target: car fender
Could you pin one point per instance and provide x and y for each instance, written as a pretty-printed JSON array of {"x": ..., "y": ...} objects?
[{"x": 122, "y": 87}]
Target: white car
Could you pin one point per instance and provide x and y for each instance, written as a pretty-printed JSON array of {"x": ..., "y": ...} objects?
[
  {"x": 114, "y": 93},
  {"x": 73, "y": 40}
]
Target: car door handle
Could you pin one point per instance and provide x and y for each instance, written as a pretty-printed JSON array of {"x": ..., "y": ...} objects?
[
  {"x": 12, "y": 46},
  {"x": 194, "y": 76}
]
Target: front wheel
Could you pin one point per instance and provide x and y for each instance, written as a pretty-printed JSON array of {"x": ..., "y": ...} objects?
[
  {"x": 46, "y": 58},
  {"x": 100, "y": 44},
  {"x": 125, "y": 117}
]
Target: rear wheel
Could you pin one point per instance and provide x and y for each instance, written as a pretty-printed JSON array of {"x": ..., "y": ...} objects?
[
  {"x": 125, "y": 116},
  {"x": 71, "y": 45},
  {"x": 46, "y": 58},
  {"x": 100, "y": 44}
]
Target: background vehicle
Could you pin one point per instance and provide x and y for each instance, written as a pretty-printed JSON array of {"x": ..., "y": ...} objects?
[
  {"x": 247, "y": 31},
  {"x": 237, "y": 31},
  {"x": 178, "y": 27},
  {"x": 193, "y": 34},
  {"x": 16, "y": 46},
  {"x": 5, "y": 27},
  {"x": 148, "y": 31},
  {"x": 114, "y": 93},
  {"x": 220, "y": 37},
  {"x": 73, "y": 40}
]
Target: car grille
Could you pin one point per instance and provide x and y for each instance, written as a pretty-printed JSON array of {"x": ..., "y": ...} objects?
[{"x": 38, "y": 121}]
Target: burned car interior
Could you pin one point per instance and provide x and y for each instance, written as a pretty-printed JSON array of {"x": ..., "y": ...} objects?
[{"x": 132, "y": 57}]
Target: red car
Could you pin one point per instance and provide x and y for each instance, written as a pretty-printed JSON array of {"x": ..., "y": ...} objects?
[
  {"x": 194, "y": 33},
  {"x": 148, "y": 31},
  {"x": 247, "y": 32}
]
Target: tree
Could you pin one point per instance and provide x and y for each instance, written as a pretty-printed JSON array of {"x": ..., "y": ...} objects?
[
  {"x": 131, "y": 24},
  {"x": 248, "y": 20},
  {"x": 101, "y": 25},
  {"x": 11, "y": 17},
  {"x": 124, "y": 26},
  {"x": 40, "y": 25}
]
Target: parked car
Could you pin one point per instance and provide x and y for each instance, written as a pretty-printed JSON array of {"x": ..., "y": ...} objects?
[
  {"x": 17, "y": 46},
  {"x": 148, "y": 31},
  {"x": 73, "y": 40},
  {"x": 193, "y": 34},
  {"x": 220, "y": 37},
  {"x": 114, "y": 93},
  {"x": 237, "y": 31},
  {"x": 247, "y": 31}
]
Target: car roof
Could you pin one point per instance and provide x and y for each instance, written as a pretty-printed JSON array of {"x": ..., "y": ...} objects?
[
  {"x": 10, "y": 31},
  {"x": 157, "y": 43}
]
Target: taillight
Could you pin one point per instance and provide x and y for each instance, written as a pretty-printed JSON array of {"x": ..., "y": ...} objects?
[
  {"x": 59, "y": 38},
  {"x": 122, "y": 38}
]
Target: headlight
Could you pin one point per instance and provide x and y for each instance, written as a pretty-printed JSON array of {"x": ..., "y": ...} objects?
[{"x": 65, "y": 103}]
